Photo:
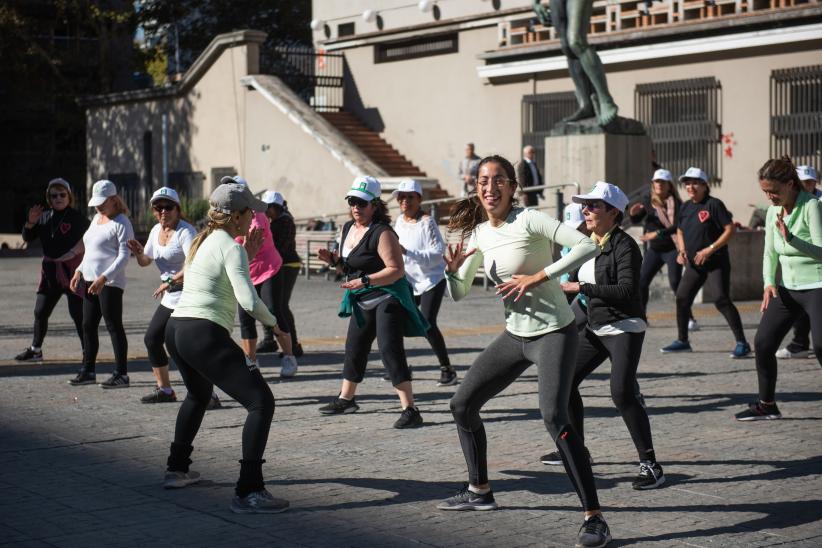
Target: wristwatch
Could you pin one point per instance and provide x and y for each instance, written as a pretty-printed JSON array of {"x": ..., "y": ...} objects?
[{"x": 366, "y": 281}]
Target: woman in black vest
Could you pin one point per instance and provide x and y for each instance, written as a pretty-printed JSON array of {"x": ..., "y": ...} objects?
[
  {"x": 60, "y": 229},
  {"x": 616, "y": 322},
  {"x": 378, "y": 298}
]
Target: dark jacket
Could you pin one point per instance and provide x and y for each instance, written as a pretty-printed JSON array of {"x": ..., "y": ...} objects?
[
  {"x": 616, "y": 295},
  {"x": 526, "y": 179},
  {"x": 664, "y": 241},
  {"x": 284, "y": 232}
]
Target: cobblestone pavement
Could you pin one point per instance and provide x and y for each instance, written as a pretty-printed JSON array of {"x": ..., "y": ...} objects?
[{"x": 82, "y": 466}]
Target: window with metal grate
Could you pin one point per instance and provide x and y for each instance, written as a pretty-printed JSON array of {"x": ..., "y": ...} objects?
[
  {"x": 796, "y": 114},
  {"x": 424, "y": 46}
]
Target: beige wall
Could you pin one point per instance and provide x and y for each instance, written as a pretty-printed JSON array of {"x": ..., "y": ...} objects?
[
  {"x": 293, "y": 163},
  {"x": 431, "y": 106}
]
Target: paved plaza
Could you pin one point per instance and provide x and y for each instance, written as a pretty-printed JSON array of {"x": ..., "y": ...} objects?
[{"x": 83, "y": 466}]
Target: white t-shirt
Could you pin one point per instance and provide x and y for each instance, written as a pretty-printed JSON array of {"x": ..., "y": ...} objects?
[
  {"x": 628, "y": 325},
  {"x": 107, "y": 250},
  {"x": 170, "y": 258},
  {"x": 424, "y": 249}
]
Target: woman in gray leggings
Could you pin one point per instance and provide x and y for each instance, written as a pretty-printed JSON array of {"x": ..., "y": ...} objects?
[{"x": 515, "y": 244}]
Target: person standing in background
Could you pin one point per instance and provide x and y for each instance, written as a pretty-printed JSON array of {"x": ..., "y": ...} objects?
[
  {"x": 60, "y": 229},
  {"x": 468, "y": 171},
  {"x": 528, "y": 175}
]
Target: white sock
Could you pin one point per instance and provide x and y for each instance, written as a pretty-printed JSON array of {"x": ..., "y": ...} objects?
[
  {"x": 479, "y": 491},
  {"x": 36, "y": 348}
]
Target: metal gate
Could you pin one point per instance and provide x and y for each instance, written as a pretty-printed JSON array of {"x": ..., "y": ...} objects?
[
  {"x": 539, "y": 114},
  {"x": 684, "y": 122},
  {"x": 796, "y": 114},
  {"x": 314, "y": 74}
]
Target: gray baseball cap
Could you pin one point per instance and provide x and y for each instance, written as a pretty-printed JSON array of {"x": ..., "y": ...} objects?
[{"x": 230, "y": 197}]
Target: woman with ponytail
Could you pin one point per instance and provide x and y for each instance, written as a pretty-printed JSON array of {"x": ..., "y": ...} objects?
[
  {"x": 793, "y": 241},
  {"x": 198, "y": 337},
  {"x": 514, "y": 245}
]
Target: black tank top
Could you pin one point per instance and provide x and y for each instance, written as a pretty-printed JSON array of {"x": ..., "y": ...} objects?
[{"x": 364, "y": 258}]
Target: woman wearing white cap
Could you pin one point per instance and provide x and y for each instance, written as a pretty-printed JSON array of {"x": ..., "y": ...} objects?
[
  {"x": 167, "y": 246},
  {"x": 659, "y": 212},
  {"x": 793, "y": 245},
  {"x": 422, "y": 250},
  {"x": 515, "y": 246},
  {"x": 263, "y": 266},
  {"x": 378, "y": 299},
  {"x": 198, "y": 337},
  {"x": 616, "y": 322},
  {"x": 704, "y": 229},
  {"x": 60, "y": 229},
  {"x": 101, "y": 276}
]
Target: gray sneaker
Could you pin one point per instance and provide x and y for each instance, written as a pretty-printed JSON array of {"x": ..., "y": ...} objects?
[
  {"x": 177, "y": 480},
  {"x": 288, "y": 367},
  {"x": 258, "y": 502}
]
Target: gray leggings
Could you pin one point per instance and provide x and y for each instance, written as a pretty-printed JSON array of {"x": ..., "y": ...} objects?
[{"x": 499, "y": 365}]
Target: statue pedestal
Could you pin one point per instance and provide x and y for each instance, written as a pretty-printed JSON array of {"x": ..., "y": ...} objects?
[{"x": 587, "y": 157}]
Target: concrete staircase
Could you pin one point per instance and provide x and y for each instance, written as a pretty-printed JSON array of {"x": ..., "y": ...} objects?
[{"x": 372, "y": 145}]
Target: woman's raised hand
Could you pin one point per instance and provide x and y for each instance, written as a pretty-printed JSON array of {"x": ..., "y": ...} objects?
[
  {"x": 456, "y": 256},
  {"x": 34, "y": 214},
  {"x": 253, "y": 242},
  {"x": 327, "y": 257},
  {"x": 135, "y": 247}
]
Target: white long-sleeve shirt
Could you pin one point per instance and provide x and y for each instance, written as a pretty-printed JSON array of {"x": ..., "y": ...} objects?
[
  {"x": 424, "y": 249},
  {"x": 523, "y": 245},
  {"x": 216, "y": 281},
  {"x": 107, "y": 252}
]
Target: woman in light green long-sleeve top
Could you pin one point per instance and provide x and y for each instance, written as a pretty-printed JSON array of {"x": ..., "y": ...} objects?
[{"x": 793, "y": 241}]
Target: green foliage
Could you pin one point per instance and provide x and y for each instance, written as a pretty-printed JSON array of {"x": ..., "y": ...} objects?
[
  {"x": 154, "y": 62},
  {"x": 194, "y": 209}
]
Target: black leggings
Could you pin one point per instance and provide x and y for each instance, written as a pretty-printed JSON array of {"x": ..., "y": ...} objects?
[
  {"x": 44, "y": 306},
  {"x": 429, "y": 303},
  {"x": 270, "y": 292},
  {"x": 776, "y": 323},
  {"x": 801, "y": 333},
  {"x": 108, "y": 305},
  {"x": 651, "y": 265},
  {"x": 156, "y": 337},
  {"x": 624, "y": 351},
  {"x": 206, "y": 356},
  {"x": 719, "y": 275},
  {"x": 285, "y": 280},
  {"x": 385, "y": 323},
  {"x": 499, "y": 365}
]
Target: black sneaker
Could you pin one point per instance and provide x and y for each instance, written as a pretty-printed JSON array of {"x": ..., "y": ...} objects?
[
  {"x": 29, "y": 355},
  {"x": 158, "y": 396},
  {"x": 116, "y": 380},
  {"x": 555, "y": 459},
  {"x": 465, "y": 499},
  {"x": 267, "y": 346},
  {"x": 650, "y": 476},
  {"x": 410, "y": 418},
  {"x": 594, "y": 533},
  {"x": 759, "y": 412},
  {"x": 214, "y": 403},
  {"x": 339, "y": 406},
  {"x": 84, "y": 377},
  {"x": 448, "y": 376}
]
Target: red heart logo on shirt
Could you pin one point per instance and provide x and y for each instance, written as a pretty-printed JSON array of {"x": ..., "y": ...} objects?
[
  {"x": 65, "y": 227},
  {"x": 703, "y": 216}
]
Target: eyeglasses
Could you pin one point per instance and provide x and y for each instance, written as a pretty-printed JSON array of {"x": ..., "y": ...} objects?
[
  {"x": 593, "y": 206},
  {"x": 356, "y": 202},
  {"x": 55, "y": 195},
  {"x": 163, "y": 207},
  {"x": 499, "y": 180},
  {"x": 405, "y": 196}
]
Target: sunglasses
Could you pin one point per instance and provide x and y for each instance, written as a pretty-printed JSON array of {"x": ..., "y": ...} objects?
[
  {"x": 593, "y": 206},
  {"x": 55, "y": 195},
  {"x": 356, "y": 202},
  {"x": 163, "y": 207},
  {"x": 405, "y": 196},
  {"x": 693, "y": 182}
]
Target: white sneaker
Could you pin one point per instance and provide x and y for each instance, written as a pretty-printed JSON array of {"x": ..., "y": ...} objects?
[
  {"x": 288, "y": 366},
  {"x": 693, "y": 325},
  {"x": 178, "y": 480},
  {"x": 251, "y": 364},
  {"x": 785, "y": 354}
]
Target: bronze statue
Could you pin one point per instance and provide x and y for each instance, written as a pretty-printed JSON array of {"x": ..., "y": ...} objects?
[{"x": 571, "y": 18}]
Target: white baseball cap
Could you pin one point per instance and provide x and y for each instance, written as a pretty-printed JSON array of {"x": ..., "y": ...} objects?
[
  {"x": 694, "y": 173},
  {"x": 408, "y": 185},
  {"x": 662, "y": 175},
  {"x": 102, "y": 191},
  {"x": 233, "y": 179},
  {"x": 806, "y": 173},
  {"x": 59, "y": 181},
  {"x": 273, "y": 197},
  {"x": 165, "y": 193},
  {"x": 572, "y": 215},
  {"x": 366, "y": 188},
  {"x": 608, "y": 193}
]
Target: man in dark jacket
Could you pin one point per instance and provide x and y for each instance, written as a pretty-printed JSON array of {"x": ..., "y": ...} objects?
[{"x": 528, "y": 175}]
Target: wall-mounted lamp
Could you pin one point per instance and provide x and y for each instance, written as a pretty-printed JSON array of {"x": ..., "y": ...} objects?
[
  {"x": 369, "y": 16},
  {"x": 425, "y": 5},
  {"x": 316, "y": 24}
]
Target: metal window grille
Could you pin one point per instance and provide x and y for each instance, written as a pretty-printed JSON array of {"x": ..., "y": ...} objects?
[
  {"x": 684, "y": 122},
  {"x": 189, "y": 184},
  {"x": 217, "y": 173},
  {"x": 539, "y": 114},
  {"x": 796, "y": 114},
  {"x": 416, "y": 47},
  {"x": 315, "y": 75},
  {"x": 133, "y": 193}
]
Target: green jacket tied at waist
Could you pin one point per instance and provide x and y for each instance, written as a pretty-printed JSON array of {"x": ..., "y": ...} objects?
[{"x": 415, "y": 324}]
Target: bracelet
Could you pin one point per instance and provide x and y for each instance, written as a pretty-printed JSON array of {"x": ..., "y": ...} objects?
[{"x": 712, "y": 247}]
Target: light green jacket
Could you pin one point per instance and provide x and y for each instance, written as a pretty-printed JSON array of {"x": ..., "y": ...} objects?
[{"x": 801, "y": 257}]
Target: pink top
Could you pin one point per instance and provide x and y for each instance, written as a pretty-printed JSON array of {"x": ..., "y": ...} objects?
[{"x": 267, "y": 262}]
